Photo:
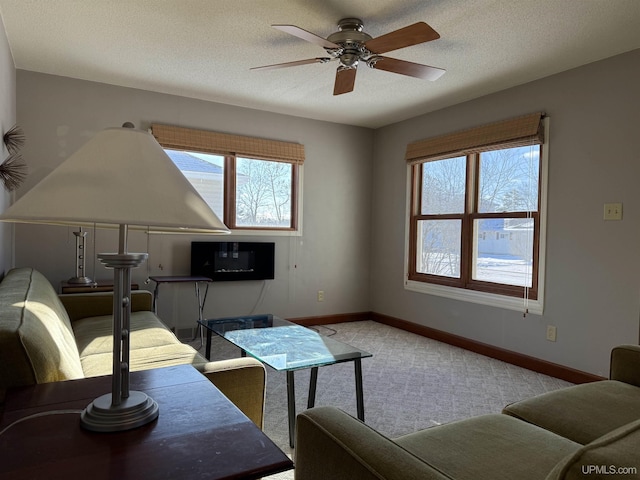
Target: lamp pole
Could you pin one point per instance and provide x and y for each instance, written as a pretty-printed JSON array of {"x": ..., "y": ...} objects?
[{"x": 121, "y": 409}]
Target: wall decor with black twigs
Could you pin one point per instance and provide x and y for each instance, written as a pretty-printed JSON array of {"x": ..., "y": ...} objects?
[{"x": 13, "y": 169}]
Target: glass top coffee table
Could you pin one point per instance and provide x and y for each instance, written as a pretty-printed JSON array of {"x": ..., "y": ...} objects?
[{"x": 286, "y": 346}]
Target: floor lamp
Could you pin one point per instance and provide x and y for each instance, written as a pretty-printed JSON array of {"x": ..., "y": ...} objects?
[{"x": 123, "y": 179}]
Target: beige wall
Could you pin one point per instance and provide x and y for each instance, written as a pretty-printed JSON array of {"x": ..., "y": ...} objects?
[
  {"x": 7, "y": 120},
  {"x": 60, "y": 114},
  {"x": 592, "y": 266}
]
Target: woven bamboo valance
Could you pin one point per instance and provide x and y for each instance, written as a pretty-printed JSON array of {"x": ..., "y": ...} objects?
[
  {"x": 516, "y": 132},
  {"x": 179, "y": 138}
]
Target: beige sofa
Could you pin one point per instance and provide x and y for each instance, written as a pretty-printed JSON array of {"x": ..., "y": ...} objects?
[
  {"x": 589, "y": 431},
  {"x": 45, "y": 337}
]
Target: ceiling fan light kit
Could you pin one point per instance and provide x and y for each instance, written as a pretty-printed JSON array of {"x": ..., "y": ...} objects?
[{"x": 350, "y": 45}]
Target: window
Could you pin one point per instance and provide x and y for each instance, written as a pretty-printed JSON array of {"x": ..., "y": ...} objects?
[
  {"x": 263, "y": 193},
  {"x": 252, "y": 184},
  {"x": 475, "y": 212}
]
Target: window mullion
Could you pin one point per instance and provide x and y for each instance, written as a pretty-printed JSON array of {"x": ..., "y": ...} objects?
[
  {"x": 536, "y": 253},
  {"x": 230, "y": 189},
  {"x": 471, "y": 202},
  {"x": 416, "y": 208},
  {"x": 294, "y": 197},
  {"x": 416, "y": 187}
]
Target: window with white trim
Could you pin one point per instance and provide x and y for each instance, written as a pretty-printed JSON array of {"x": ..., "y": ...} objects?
[{"x": 476, "y": 213}]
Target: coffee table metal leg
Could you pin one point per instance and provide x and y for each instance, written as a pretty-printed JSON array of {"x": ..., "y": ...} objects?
[
  {"x": 313, "y": 381},
  {"x": 359, "y": 394},
  {"x": 291, "y": 406},
  {"x": 202, "y": 299},
  {"x": 207, "y": 351}
]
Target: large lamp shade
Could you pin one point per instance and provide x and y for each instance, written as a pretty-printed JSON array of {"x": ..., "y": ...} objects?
[{"x": 121, "y": 178}]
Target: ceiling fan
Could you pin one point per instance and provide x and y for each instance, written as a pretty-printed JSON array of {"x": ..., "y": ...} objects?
[{"x": 350, "y": 46}]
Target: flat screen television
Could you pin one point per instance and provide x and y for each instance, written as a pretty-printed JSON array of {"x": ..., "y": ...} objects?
[{"x": 233, "y": 261}]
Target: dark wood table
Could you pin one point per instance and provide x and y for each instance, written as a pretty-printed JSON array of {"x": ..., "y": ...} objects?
[{"x": 199, "y": 434}]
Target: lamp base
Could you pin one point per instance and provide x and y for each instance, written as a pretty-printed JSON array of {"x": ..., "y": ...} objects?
[
  {"x": 136, "y": 410},
  {"x": 80, "y": 281}
]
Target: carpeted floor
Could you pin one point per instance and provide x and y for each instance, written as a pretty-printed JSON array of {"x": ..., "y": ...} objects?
[{"x": 410, "y": 383}]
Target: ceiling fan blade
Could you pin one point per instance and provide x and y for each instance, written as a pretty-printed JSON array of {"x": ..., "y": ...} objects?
[
  {"x": 405, "y": 37},
  {"x": 294, "y": 64},
  {"x": 345, "y": 80},
  {"x": 403, "y": 67},
  {"x": 308, "y": 36}
]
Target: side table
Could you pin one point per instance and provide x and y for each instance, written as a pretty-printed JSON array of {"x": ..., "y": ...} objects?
[
  {"x": 184, "y": 279},
  {"x": 198, "y": 434}
]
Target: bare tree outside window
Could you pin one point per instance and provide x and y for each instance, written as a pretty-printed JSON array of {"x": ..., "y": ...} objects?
[
  {"x": 509, "y": 180},
  {"x": 443, "y": 193},
  {"x": 263, "y": 193},
  {"x": 443, "y": 186},
  {"x": 499, "y": 205},
  {"x": 440, "y": 253}
]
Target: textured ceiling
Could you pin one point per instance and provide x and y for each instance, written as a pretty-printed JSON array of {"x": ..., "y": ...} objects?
[{"x": 205, "y": 48}]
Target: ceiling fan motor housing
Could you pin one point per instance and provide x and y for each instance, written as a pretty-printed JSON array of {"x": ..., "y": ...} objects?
[{"x": 351, "y": 39}]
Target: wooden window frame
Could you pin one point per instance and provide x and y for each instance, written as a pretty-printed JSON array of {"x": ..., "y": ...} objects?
[
  {"x": 230, "y": 172},
  {"x": 472, "y": 152},
  {"x": 232, "y": 147}
]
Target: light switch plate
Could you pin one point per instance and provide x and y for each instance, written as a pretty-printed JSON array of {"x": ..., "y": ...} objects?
[{"x": 613, "y": 211}]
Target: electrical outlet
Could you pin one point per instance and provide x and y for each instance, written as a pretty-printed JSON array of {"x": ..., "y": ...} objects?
[
  {"x": 321, "y": 295},
  {"x": 551, "y": 333}
]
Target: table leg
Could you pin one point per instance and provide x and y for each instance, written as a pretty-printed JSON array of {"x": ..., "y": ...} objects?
[
  {"x": 359, "y": 393},
  {"x": 208, "y": 346},
  {"x": 155, "y": 298},
  {"x": 313, "y": 381},
  {"x": 201, "y": 301},
  {"x": 199, "y": 327},
  {"x": 291, "y": 407}
]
